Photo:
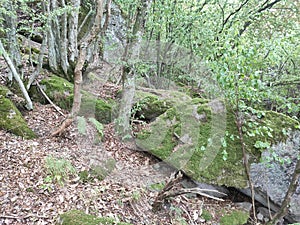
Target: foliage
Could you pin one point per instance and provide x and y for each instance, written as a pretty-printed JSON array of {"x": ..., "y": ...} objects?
[{"x": 58, "y": 169}]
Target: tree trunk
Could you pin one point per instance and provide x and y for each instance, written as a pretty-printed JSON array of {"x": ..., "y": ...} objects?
[
  {"x": 10, "y": 23},
  {"x": 16, "y": 76},
  {"x": 128, "y": 74},
  {"x": 88, "y": 39}
]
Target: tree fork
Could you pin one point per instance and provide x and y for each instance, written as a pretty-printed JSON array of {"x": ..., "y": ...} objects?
[{"x": 92, "y": 36}]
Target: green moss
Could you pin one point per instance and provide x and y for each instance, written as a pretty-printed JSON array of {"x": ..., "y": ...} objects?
[
  {"x": 76, "y": 217},
  {"x": 206, "y": 215},
  {"x": 235, "y": 218},
  {"x": 60, "y": 91},
  {"x": 199, "y": 100},
  {"x": 11, "y": 119},
  {"x": 160, "y": 140}
]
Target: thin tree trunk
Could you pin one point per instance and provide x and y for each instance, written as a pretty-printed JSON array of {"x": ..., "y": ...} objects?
[
  {"x": 16, "y": 76},
  {"x": 128, "y": 78},
  {"x": 12, "y": 43}
]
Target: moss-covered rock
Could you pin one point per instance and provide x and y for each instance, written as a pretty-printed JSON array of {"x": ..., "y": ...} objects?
[
  {"x": 149, "y": 105},
  {"x": 201, "y": 138},
  {"x": 235, "y": 218},
  {"x": 76, "y": 217},
  {"x": 60, "y": 91},
  {"x": 10, "y": 117}
]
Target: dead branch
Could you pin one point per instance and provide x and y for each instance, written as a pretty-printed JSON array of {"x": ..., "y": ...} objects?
[
  {"x": 63, "y": 126},
  {"x": 49, "y": 100},
  {"x": 175, "y": 179}
]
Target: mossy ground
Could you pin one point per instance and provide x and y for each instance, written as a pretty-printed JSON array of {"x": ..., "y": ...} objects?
[
  {"x": 214, "y": 154},
  {"x": 60, "y": 91},
  {"x": 235, "y": 218},
  {"x": 76, "y": 217},
  {"x": 11, "y": 119}
]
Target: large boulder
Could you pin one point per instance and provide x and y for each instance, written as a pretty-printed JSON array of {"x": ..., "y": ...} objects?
[
  {"x": 10, "y": 117},
  {"x": 271, "y": 176}
]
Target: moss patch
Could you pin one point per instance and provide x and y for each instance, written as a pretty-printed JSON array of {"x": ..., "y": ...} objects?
[
  {"x": 149, "y": 105},
  {"x": 11, "y": 119},
  {"x": 235, "y": 218},
  {"x": 76, "y": 217},
  {"x": 60, "y": 91}
]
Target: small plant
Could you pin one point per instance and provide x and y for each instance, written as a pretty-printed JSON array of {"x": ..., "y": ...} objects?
[
  {"x": 157, "y": 186},
  {"x": 136, "y": 195},
  {"x": 58, "y": 170}
]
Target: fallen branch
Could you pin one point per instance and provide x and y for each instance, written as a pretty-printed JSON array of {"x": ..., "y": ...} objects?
[
  {"x": 49, "y": 100},
  {"x": 163, "y": 194},
  {"x": 63, "y": 126},
  {"x": 173, "y": 181}
]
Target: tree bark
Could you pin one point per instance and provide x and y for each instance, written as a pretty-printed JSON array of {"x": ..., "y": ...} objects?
[{"x": 16, "y": 76}]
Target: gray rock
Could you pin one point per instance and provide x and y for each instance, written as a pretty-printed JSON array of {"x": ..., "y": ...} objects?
[
  {"x": 247, "y": 206},
  {"x": 272, "y": 176}
]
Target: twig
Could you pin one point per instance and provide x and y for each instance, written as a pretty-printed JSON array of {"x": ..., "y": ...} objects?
[
  {"x": 21, "y": 217},
  {"x": 196, "y": 191},
  {"x": 188, "y": 214},
  {"x": 49, "y": 100}
]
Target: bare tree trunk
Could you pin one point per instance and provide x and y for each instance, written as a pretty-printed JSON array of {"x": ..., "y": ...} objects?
[
  {"x": 128, "y": 78},
  {"x": 12, "y": 43},
  {"x": 16, "y": 76}
]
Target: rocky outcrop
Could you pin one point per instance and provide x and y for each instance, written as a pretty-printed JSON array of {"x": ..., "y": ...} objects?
[
  {"x": 272, "y": 176},
  {"x": 200, "y": 137}
]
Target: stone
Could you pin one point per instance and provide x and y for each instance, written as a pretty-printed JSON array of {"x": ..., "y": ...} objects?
[
  {"x": 77, "y": 217},
  {"x": 200, "y": 137},
  {"x": 247, "y": 206},
  {"x": 10, "y": 117},
  {"x": 271, "y": 177}
]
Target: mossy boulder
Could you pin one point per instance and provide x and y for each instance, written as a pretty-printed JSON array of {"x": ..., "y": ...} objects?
[
  {"x": 150, "y": 103},
  {"x": 201, "y": 138},
  {"x": 10, "y": 117},
  {"x": 60, "y": 91},
  {"x": 77, "y": 217}
]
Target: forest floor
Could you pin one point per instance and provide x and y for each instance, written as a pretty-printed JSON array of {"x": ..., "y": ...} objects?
[{"x": 27, "y": 196}]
